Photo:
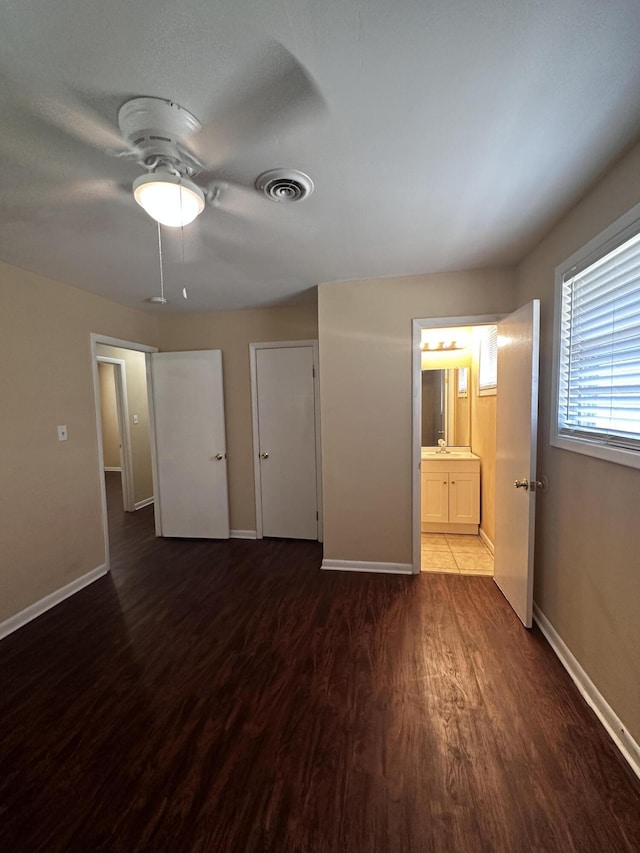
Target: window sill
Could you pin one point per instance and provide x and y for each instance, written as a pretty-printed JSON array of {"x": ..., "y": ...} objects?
[{"x": 618, "y": 455}]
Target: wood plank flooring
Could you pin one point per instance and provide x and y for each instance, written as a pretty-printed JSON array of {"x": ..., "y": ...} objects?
[{"x": 232, "y": 698}]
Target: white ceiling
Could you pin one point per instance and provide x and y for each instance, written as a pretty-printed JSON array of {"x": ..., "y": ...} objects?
[{"x": 455, "y": 133}]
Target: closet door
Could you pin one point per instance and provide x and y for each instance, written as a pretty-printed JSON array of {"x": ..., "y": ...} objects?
[{"x": 285, "y": 440}]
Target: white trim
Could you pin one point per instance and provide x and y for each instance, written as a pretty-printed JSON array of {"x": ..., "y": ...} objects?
[
  {"x": 598, "y": 245},
  {"x": 242, "y": 534},
  {"x": 364, "y": 566},
  {"x": 39, "y": 607},
  {"x": 253, "y": 347},
  {"x": 416, "y": 401},
  {"x": 144, "y": 503},
  {"x": 596, "y": 701},
  {"x": 112, "y": 468},
  {"x": 486, "y": 540},
  {"x": 96, "y": 339}
]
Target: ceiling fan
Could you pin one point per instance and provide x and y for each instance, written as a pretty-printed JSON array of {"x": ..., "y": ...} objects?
[
  {"x": 158, "y": 133},
  {"x": 182, "y": 161}
]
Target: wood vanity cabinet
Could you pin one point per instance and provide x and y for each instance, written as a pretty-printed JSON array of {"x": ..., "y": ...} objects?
[{"x": 450, "y": 495}]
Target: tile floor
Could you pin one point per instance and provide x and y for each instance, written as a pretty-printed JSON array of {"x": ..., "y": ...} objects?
[{"x": 455, "y": 553}]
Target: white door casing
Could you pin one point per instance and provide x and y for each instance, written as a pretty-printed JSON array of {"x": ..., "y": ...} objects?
[
  {"x": 286, "y": 439},
  {"x": 190, "y": 459},
  {"x": 516, "y": 450}
]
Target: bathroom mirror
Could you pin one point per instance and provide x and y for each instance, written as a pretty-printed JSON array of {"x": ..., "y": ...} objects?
[{"x": 445, "y": 407}]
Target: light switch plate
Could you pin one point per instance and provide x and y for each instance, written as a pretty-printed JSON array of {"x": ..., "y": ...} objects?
[
  {"x": 62, "y": 432},
  {"x": 135, "y": 419}
]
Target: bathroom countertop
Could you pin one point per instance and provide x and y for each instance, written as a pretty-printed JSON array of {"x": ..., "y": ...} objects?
[{"x": 454, "y": 453}]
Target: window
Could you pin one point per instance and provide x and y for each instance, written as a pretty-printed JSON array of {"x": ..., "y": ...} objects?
[
  {"x": 463, "y": 382},
  {"x": 488, "y": 361},
  {"x": 597, "y": 399}
]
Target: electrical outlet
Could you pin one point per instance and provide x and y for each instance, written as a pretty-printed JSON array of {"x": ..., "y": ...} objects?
[{"x": 62, "y": 433}]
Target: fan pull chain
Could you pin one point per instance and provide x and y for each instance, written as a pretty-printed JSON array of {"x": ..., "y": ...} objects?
[
  {"x": 161, "y": 270},
  {"x": 184, "y": 289}
]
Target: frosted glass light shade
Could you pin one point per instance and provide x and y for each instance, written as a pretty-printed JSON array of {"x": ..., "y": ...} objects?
[{"x": 169, "y": 199}]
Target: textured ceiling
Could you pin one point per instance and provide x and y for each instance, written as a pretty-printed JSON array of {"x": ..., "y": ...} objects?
[{"x": 454, "y": 133}]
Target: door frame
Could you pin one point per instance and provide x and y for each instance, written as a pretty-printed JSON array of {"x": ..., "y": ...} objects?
[
  {"x": 95, "y": 339},
  {"x": 416, "y": 408},
  {"x": 253, "y": 348},
  {"x": 122, "y": 414}
]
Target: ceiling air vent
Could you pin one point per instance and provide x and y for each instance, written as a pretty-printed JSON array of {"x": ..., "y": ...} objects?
[{"x": 284, "y": 185}]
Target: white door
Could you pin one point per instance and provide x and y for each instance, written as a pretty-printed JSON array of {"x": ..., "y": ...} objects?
[
  {"x": 285, "y": 444},
  {"x": 516, "y": 439},
  {"x": 188, "y": 409}
]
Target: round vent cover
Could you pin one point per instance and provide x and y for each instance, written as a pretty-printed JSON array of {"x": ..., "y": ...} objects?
[{"x": 284, "y": 185}]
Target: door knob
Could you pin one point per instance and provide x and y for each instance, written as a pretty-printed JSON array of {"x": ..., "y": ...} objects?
[
  {"x": 219, "y": 456},
  {"x": 264, "y": 456},
  {"x": 521, "y": 484}
]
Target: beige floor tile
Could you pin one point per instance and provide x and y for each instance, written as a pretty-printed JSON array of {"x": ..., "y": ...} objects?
[
  {"x": 435, "y": 546},
  {"x": 470, "y": 560},
  {"x": 474, "y": 545},
  {"x": 433, "y": 539},
  {"x": 438, "y": 560},
  {"x": 461, "y": 537},
  {"x": 440, "y": 571},
  {"x": 476, "y": 571}
]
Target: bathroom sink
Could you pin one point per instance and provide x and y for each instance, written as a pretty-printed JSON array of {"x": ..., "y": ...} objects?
[{"x": 450, "y": 454}]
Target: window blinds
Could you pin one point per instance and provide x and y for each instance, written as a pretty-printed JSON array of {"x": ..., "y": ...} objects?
[
  {"x": 488, "y": 367},
  {"x": 599, "y": 378}
]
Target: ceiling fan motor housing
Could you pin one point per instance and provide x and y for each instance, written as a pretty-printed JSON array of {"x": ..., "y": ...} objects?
[{"x": 157, "y": 127}]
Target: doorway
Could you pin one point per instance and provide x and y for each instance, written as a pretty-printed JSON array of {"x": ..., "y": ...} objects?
[
  {"x": 516, "y": 363},
  {"x": 125, "y": 433}
]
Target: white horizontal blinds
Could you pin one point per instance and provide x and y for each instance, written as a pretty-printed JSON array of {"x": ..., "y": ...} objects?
[
  {"x": 462, "y": 381},
  {"x": 600, "y": 349},
  {"x": 488, "y": 368}
]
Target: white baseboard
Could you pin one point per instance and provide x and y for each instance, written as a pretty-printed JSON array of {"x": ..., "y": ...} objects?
[
  {"x": 112, "y": 468},
  {"x": 243, "y": 534},
  {"x": 486, "y": 540},
  {"x": 145, "y": 502},
  {"x": 363, "y": 566},
  {"x": 39, "y": 607},
  {"x": 603, "y": 711}
]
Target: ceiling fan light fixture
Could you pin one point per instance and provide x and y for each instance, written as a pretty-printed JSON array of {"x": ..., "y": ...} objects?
[{"x": 169, "y": 199}]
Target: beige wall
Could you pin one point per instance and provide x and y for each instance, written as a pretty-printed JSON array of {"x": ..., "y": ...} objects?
[
  {"x": 232, "y": 332},
  {"x": 588, "y": 532},
  {"x": 109, "y": 416},
  {"x": 136, "y": 376},
  {"x": 50, "y": 513},
  {"x": 365, "y": 385},
  {"x": 483, "y": 444}
]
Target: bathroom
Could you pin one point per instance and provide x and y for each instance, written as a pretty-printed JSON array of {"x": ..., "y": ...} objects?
[{"x": 457, "y": 494}]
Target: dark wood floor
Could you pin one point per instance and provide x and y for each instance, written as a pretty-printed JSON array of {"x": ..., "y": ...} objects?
[{"x": 231, "y": 697}]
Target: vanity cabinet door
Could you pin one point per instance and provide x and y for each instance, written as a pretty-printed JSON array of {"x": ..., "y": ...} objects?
[
  {"x": 434, "y": 497},
  {"x": 464, "y": 498}
]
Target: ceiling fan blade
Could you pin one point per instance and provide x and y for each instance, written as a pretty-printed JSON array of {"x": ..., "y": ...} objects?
[
  {"x": 285, "y": 95},
  {"x": 78, "y": 119},
  {"x": 62, "y": 107},
  {"x": 58, "y": 195},
  {"x": 248, "y": 206}
]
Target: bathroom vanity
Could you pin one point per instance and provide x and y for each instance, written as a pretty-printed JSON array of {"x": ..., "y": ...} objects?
[{"x": 450, "y": 491}]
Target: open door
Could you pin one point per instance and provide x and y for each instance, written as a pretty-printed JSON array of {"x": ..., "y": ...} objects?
[
  {"x": 191, "y": 458},
  {"x": 516, "y": 443}
]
